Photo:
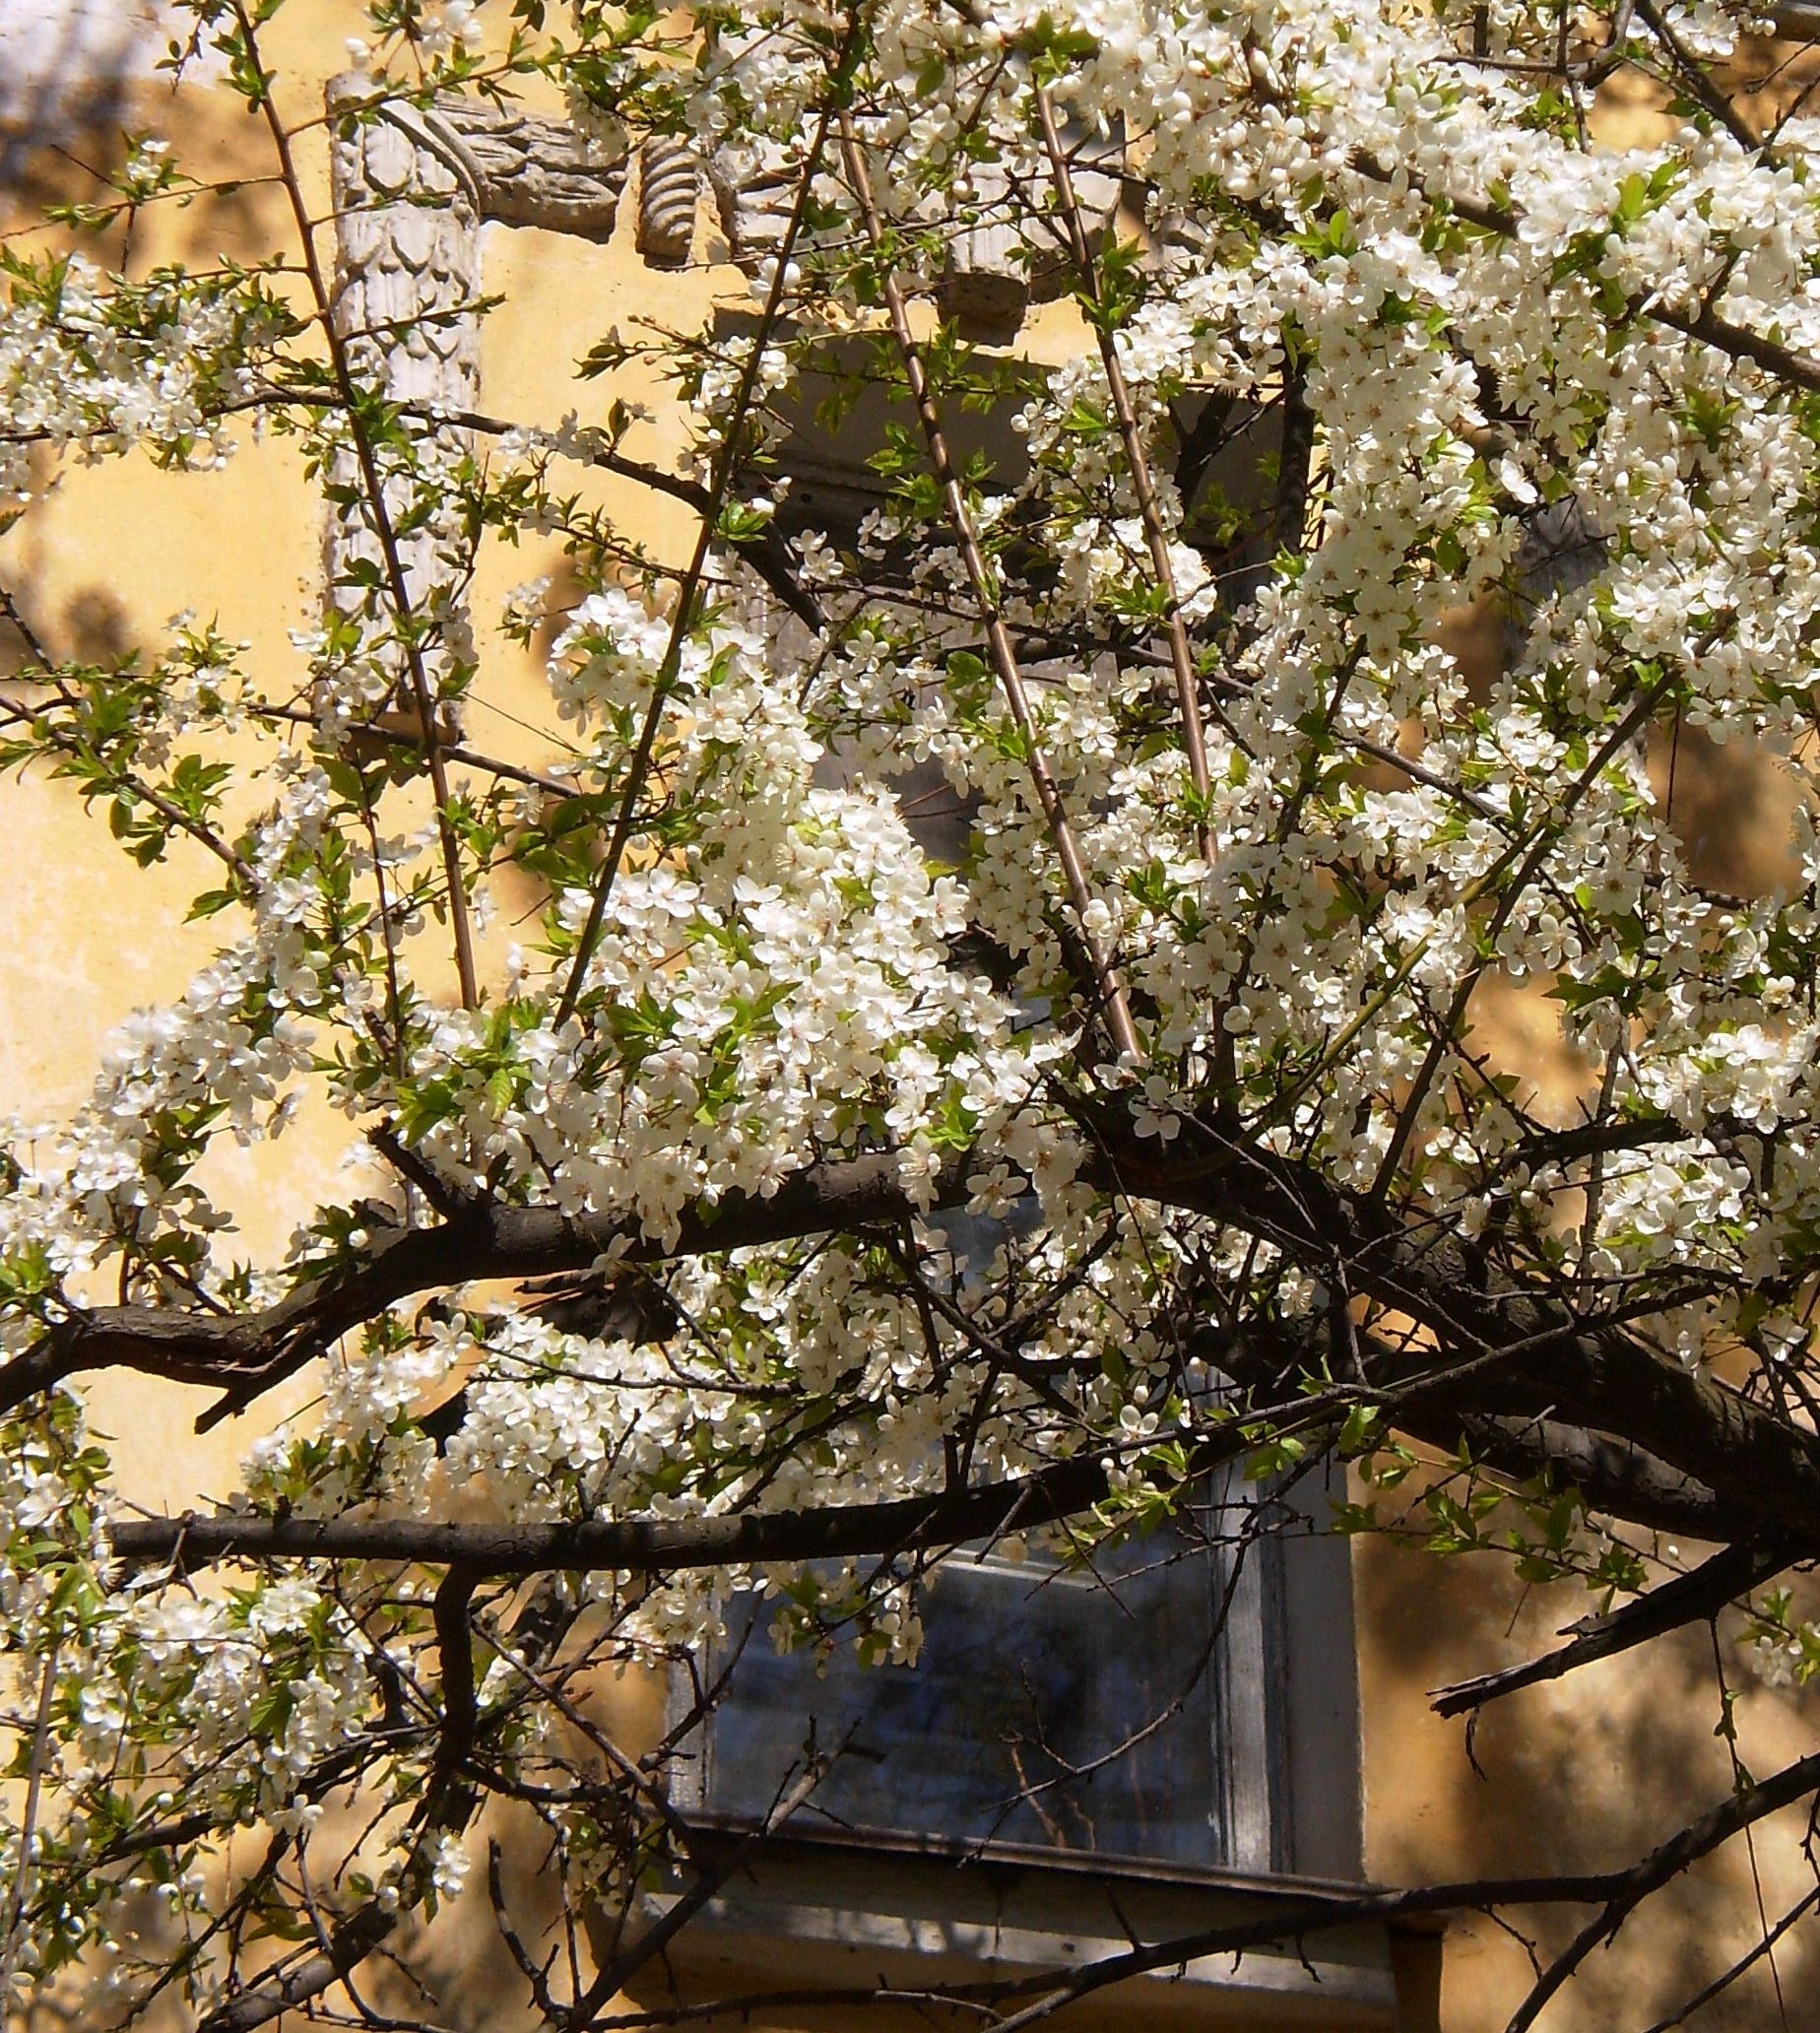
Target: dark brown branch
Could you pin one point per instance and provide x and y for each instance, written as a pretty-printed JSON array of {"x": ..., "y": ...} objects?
[
  {"x": 1763, "y": 1470},
  {"x": 1682, "y": 1849},
  {"x": 1764, "y": 1466},
  {"x": 1699, "y": 80},
  {"x": 1614, "y": 1476},
  {"x": 15, "y": 617},
  {"x": 249, "y": 1353},
  {"x": 455, "y": 1654},
  {"x": 1295, "y": 463},
  {"x": 351, "y": 1943},
  {"x": 1688, "y": 1598},
  {"x": 646, "y": 1545}
]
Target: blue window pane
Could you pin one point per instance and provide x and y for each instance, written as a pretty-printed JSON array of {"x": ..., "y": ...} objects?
[{"x": 1048, "y": 1709}]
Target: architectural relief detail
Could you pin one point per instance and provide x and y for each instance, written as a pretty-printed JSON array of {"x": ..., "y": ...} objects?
[
  {"x": 412, "y": 189},
  {"x": 669, "y": 184},
  {"x": 990, "y": 280},
  {"x": 754, "y": 193},
  {"x": 528, "y": 172},
  {"x": 408, "y": 210},
  {"x": 406, "y": 279}
]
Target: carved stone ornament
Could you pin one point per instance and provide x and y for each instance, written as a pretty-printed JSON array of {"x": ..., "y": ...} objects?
[
  {"x": 412, "y": 188},
  {"x": 407, "y": 278},
  {"x": 414, "y": 185},
  {"x": 991, "y": 277},
  {"x": 528, "y": 172},
  {"x": 996, "y": 267},
  {"x": 754, "y": 193},
  {"x": 669, "y": 184}
]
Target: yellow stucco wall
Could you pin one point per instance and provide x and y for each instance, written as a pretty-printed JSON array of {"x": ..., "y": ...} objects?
[{"x": 1588, "y": 1771}]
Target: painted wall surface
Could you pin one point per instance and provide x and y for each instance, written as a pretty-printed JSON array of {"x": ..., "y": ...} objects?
[{"x": 1587, "y": 1772}]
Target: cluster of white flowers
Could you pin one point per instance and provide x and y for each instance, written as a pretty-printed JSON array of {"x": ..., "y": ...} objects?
[
  {"x": 86, "y": 367},
  {"x": 1456, "y": 356}
]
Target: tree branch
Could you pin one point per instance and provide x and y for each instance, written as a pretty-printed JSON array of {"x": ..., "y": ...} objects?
[
  {"x": 1613, "y": 1475},
  {"x": 250, "y": 1352},
  {"x": 351, "y": 1943},
  {"x": 1687, "y": 1846},
  {"x": 1765, "y": 1466},
  {"x": 1705, "y": 1591},
  {"x": 647, "y": 1545},
  {"x": 1762, "y": 1468}
]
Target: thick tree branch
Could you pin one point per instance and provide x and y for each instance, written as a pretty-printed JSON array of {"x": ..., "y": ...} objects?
[
  {"x": 1705, "y": 1591},
  {"x": 1769, "y": 1469},
  {"x": 646, "y": 1545},
  {"x": 249, "y": 1353},
  {"x": 1614, "y": 1476},
  {"x": 350, "y": 1944},
  {"x": 1763, "y": 1468}
]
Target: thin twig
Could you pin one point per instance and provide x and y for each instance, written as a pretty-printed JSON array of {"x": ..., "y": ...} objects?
[
  {"x": 1667, "y": 1860},
  {"x": 27, "y": 1825},
  {"x": 1107, "y": 983},
  {"x": 1137, "y": 468},
  {"x": 725, "y": 465},
  {"x": 375, "y": 489}
]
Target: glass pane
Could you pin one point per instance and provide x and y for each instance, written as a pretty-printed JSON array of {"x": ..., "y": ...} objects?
[{"x": 1018, "y": 1723}]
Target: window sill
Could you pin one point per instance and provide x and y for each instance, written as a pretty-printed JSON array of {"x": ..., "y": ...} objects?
[{"x": 804, "y": 1917}]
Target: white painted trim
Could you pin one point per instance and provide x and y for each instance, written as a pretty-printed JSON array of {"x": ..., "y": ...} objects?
[{"x": 1351, "y": 1992}]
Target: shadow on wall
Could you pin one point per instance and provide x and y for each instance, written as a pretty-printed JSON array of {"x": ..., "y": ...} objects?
[
  {"x": 89, "y": 626},
  {"x": 67, "y": 69},
  {"x": 1733, "y": 809},
  {"x": 1587, "y": 1774},
  {"x": 1593, "y": 1771},
  {"x": 75, "y": 76}
]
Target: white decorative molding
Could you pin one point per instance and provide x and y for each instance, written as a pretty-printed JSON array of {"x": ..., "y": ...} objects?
[
  {"x": 406, "y": 276},
  {"x": 669, "y": 184},
  {"x": 755, "y": 192},
  {"x": 528, "y": 172},
  {"x": 406, "y": 279},
  {"x": 412, "y": 189},
  {"x": 994, "y": 271},
  {"x": 996, "y": 267},
  {"x": 922, "y": 1922}
]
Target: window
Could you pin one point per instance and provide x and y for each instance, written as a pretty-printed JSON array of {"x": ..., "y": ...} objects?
[{"x": 1177, "y": 1710}]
